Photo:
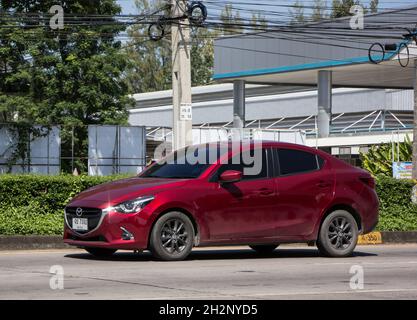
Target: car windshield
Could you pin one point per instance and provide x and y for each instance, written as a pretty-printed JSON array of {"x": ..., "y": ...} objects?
[{"x": 188, "y": 163}]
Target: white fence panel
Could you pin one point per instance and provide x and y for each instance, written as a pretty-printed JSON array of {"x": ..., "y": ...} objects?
[
  {"x": 132, "y": 155},
  {"x": 44, "y": 151},
  {"x": 115, "y": 149}
]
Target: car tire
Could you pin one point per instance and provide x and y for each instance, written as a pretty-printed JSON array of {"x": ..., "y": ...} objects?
[
  {"x": 172, "y": 237},
  {"x": 338, "y": 235},
  {"x": 264, "y": 248},
  {"x": 101, "y": 252}
]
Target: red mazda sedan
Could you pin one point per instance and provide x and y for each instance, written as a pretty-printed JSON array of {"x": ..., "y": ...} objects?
[{"x": 288, "y": 194}]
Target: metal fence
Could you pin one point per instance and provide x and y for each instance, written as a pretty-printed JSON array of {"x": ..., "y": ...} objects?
[
  {"x": 116, "y": 150},
  {"x": 96, "y": 150},
  {"x": 29, "y": 150},
  {"x": 214, "y": 134}
]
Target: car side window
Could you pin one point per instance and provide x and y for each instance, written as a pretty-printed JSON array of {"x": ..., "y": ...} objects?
[
  {"x": 257, "y": 170},
  {"x": 297, "y": 161}
]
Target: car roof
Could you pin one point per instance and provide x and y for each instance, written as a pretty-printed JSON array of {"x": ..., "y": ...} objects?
[{"x": 268, "y": 143}]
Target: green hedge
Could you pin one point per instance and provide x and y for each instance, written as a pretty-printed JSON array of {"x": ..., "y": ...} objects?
[
  {"x": 397, "y": 212},
  {"x": 33, "y": 204}
]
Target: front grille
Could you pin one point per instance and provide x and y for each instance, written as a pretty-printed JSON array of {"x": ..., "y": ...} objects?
[
  {"x": 92, "y": 214},
  {"x": 87, "y": 212},
  {"x": 92, "y": 239}
]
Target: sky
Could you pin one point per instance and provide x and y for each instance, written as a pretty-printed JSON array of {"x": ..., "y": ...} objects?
[{"x": 128, "y": 6}]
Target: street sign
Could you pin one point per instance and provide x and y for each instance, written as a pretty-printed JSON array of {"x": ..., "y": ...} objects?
[
  {"x": 402, "y": 170},
  {"x": 186, "y": 112}
]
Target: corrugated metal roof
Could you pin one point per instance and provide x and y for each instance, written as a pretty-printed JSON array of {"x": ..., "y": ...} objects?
[
  {"x": 217, "y": 108},
  {"x": 330, "y": 44}
]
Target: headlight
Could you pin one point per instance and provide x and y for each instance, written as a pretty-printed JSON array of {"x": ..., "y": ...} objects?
[{"x": 133, "y": 206}]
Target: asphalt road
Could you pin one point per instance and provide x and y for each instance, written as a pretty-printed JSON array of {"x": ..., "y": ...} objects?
[{"x": 389, "y": 272}]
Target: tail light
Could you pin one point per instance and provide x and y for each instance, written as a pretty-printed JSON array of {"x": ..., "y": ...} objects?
[{"x": 369, "y": 181}]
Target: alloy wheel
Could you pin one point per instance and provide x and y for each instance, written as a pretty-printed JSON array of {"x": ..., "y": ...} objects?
[
  {"x": 174, "y": 236},
  {"x": 340, "y": 233}
]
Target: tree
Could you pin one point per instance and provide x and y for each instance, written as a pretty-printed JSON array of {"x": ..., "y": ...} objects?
[
  {"x": 319, "y": 10},
  {"x": 151, "y": 60},
  {"x": 373, "y": 6},
  {"x": 341, "y": 8},
  {"x": 297, "y": 13},
  {"x": 69, "y": 77},
  {"x": 258, "y": 22},
  {"x": 202, "y": 56},
  {"x": 231, "y": 21},
  {"x": 150, "y": 68}
]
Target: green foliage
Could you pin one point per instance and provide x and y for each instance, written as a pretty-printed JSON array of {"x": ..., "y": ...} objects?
[
  {"x": 51, "y": 193},
  {"x": 341, "y": 8},
  {"x": 297, "y": 13},
  {"x": 319, "y": 10},
  {"x": 202, "y": 57},
  {"x": 21, "y": 134},
  {"x": 150, "y": 62},
  {"x": 73, "y": 76},
  {"x": 379, "y": 159},
  {"x": 33, "y": 204},
  {"x": 29, "y": 220},
  {"x": 232, "y": 22},
  {"x": 373, "y": 6},
  {"x": 397, "y": 212}
]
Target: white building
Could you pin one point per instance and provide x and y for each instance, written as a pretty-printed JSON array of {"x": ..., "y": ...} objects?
[{"x": 360, "y": 117}]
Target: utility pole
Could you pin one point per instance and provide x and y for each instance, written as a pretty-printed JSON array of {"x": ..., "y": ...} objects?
[
  {"x": 181, "y": 77},
  {"x": 415, "y": 123}
]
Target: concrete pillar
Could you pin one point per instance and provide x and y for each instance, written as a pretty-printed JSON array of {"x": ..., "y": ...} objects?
[
  {"x": 239, "y": 94},
  {"x": 181, "y": 79},
  {"x": 383, "y": 117},
  {"x": 415, "y": 123},
  {"x": 324, "y": 85}
]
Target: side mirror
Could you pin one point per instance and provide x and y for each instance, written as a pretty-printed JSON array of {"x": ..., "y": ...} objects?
[{"x": 230, "y": 176}]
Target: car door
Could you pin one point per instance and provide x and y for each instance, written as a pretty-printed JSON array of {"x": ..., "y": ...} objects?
[
  {"x": 243, "y": 209},
  {"x": 304, "y": 187}
]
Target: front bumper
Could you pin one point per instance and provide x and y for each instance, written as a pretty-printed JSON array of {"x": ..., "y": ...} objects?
[{"x": 111, "y": 232}]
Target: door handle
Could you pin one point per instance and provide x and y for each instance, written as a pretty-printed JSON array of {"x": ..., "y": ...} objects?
[
  {"x": 323, "y": 184},
  {"x": 265, "y": 192}
]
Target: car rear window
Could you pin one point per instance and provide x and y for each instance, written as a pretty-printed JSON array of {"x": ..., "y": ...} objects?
[{"x": 296, "y": 161}]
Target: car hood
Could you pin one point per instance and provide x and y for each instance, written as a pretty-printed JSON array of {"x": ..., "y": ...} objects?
[{"x": 122, "y": 190}]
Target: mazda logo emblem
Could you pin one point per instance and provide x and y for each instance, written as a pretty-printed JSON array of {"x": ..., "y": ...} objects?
[{"x": 79, "y": 212}]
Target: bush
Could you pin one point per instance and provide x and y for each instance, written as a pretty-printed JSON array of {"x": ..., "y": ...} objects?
[
  {"x": 397, "y": 212},
  {"x": 30, "y": 220},
  {"x": 378, "y": 160},
  {"x": 33, "y": 204}
]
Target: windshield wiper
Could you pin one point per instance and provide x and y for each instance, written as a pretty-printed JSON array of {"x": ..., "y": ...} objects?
[{"x": 178, "y": 177}]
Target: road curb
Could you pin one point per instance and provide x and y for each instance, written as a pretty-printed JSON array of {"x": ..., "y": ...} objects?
[
  {"x": 399, "y": 237},
  {"x": 375, "y": 238},
  {"x": 31, "y": 242},
  {"x": 55, "y": 242}
]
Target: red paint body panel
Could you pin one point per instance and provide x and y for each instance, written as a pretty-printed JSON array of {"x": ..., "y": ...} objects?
[{"x": 275, "y": 209}]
